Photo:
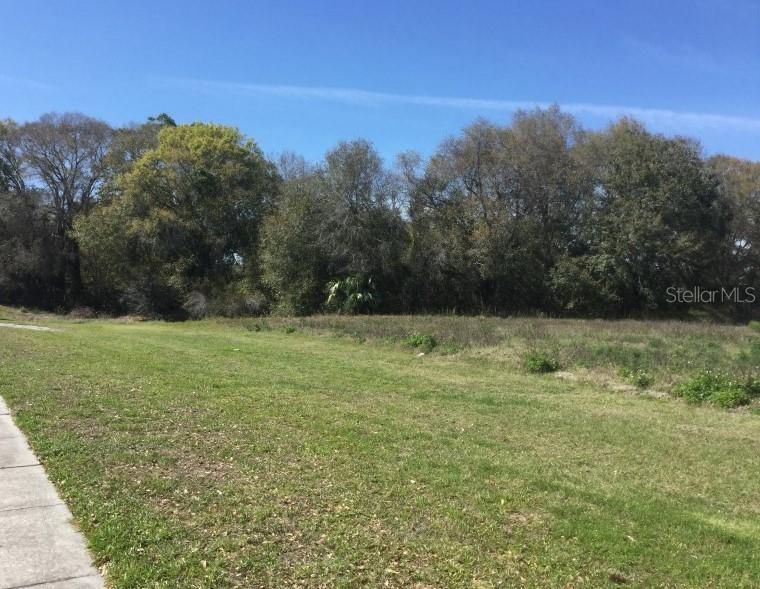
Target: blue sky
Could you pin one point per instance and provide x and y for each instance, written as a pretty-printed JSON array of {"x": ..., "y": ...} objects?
[{"x": 303, "y": 75}]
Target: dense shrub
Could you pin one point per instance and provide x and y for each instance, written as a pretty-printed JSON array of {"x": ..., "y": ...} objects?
[
  {"x": 716, "y": 388},
  {"x": 540, "y": 363},
  {"x": 421, "y": 341},
  {"x": 733, "y": 396}
]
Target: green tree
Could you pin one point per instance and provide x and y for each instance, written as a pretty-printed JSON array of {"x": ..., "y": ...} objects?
[
  {"x": 493, "y": 211},
  {"x": 185, "y": 221},
  {"x": 127, "y": 146},
  {"x": 739, "y": 182},
  {"x": 337, "y": 220},
  {"x": 294, "y": 253},
  {"x": 652, "y": 220}
]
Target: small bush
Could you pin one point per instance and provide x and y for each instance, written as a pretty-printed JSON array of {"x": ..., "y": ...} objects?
[
  {"x": 730, "y": 397},
  {"x": 752, "y": 386},
  {"x": 638, "y": 377},
  {"x": 450, "y": 348},
  {"x": 540, "y": 363},
  {"x": 289, "y": 329},
  {"x": 715, "y": 388},
  {"x": 421, "y": 341}
]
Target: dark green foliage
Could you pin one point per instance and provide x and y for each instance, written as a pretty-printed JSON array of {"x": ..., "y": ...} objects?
[
  {"x": 752, "y": 386},
  {"x": 353, "y": 294},
  {"x": 541, "y": 363},
  {"x": 538, "y": 216},
  {"x": 29, "y": 260},
  {"x": 651, "y": 220},
  {"x": 336, "y": 223}
]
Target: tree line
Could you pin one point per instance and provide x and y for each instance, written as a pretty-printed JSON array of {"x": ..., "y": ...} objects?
[{"x": 540, "y": 215}]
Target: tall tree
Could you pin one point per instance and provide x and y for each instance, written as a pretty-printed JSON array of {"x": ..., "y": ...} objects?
[
  {"x": 739, "y": 182},
  {"x": 65, "y": 156},
  {"x": 28, "y": 256},
  {"x": 494, "y": 210},
  {"x": 128, "y": 145},
  {"x": 295, "y": 258},
  {"x": 652, "y": 220},
  {"x": 186, "y": 219},
  {"x": 338, "y": 220},
  {"x": 12, "y": 172}
]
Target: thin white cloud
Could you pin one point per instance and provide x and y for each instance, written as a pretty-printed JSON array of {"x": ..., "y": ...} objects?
[
  {"x": 676, "y": 120},
  {"x": 23, "y": 83}
]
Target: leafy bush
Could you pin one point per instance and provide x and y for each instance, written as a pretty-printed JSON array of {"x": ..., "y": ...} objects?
[
  {"x": 354, "y": 294},
  {"x": 716, "y": 388},
  {"x": 421, "y": 341},
  {"x": 638, "y": 377},
  {"x": 730, "y": 397},
  {"x": 540, "y": 363},
  {"x": 752, "y": 386}
]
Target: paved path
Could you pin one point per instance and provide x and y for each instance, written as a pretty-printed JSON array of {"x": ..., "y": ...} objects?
[
  {"x": 29, "y": 327},
  {"x": 39, "y": 548}
]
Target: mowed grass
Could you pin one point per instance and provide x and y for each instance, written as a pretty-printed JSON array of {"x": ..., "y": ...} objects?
[{"x": 208, "y": 454}]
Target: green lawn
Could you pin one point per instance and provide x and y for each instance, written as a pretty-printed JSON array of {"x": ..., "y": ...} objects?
[{"x": 208, "y": 454}]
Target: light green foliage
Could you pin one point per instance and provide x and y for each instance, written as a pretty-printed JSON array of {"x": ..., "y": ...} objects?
[
  {"x": 540, "y": 363},
  {"x": 717, "y": 388},
  {"x": 421, "y": 341},
  {"x": 185, "y": 220}
]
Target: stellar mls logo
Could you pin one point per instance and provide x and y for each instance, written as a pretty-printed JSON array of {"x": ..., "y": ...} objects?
[{"x": 697, "y": 294}]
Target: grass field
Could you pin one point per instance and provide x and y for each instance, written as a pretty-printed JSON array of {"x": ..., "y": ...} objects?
[{"x": 324, "y": 452}]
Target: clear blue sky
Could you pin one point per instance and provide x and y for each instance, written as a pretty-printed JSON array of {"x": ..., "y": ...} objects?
[{"x": 404, "y": 74}]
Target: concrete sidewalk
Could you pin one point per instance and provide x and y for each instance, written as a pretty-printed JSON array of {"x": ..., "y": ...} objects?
[{"x": 39, "y": 547}]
